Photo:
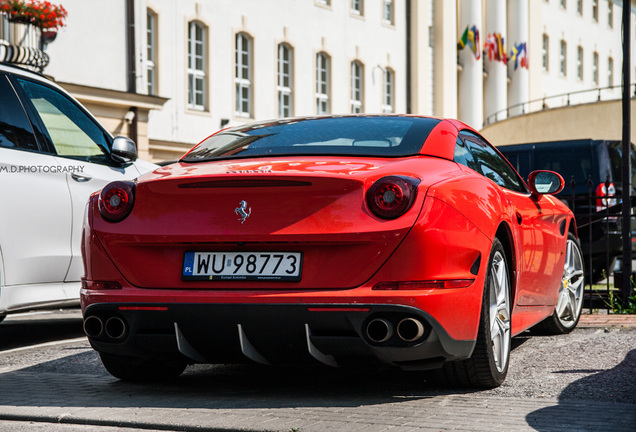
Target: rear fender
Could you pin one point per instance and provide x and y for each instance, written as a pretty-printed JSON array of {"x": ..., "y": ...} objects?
[{"x": 443, "y": 245}]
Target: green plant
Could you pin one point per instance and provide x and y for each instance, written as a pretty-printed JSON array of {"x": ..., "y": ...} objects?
[
  {"x": 620, "y": 306},
  {"x": 42, "y": 14}
]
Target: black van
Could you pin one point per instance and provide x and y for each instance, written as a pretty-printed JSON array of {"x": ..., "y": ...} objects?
[{"x": 592, "y": 173}]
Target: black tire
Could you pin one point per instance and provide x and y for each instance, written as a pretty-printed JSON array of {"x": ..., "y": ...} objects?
[
  {"x": 487, "y": 367},
  {"x": 132, "y": 369},
  {"x": 567, "y": 312}
]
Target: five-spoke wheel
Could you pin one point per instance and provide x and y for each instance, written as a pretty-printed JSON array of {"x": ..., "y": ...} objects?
[
  {"x": 499, "y": 311},
  {"x": 570, "y": 303},
  {"x": 488, "y": 365}
]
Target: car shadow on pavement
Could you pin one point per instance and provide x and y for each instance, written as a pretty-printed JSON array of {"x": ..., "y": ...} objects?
[
  {"x": 42, "y": 329},
  {"x": 72, "y": 380},
  {"x": 77, "y": 379},
  {"x": 589, "y": 404}
]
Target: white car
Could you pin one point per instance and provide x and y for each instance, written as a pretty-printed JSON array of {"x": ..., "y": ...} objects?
[{"x": 53, "y": 155}]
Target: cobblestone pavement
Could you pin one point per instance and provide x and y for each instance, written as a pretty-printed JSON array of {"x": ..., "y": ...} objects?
[{"x": 578, "y": 382}]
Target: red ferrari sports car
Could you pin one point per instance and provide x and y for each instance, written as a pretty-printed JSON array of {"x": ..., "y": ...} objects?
[{"x": 404, "y": 239}]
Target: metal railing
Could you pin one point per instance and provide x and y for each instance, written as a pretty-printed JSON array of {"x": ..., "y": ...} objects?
[
  {"x": 558, "y": 101},
  {"x": 598, "y": 220},
  {"x": 22, "y": 43}
]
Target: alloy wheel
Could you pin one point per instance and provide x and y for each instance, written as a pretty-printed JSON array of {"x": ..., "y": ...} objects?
[
  {"x": 570, "y": 302},
  {"x": 500, "y": 311}
]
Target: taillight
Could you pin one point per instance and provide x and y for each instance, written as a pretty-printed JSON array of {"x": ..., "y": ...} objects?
[
  {"x": 390, "y": 197},
  {"x": 116, "y": 200},
  {"x": 603, "y": 191},
  {"x": 423, "y": 285},
  {"x": 100, "y": 285}
]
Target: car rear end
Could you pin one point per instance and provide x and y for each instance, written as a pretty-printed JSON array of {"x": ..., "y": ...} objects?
[{"x": 284, "y": 259}]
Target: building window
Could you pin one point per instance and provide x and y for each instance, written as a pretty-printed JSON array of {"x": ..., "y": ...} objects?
[
  {"x": 387, "y": 11},
  {"x": 563, "y": 58},
  {"x": 322, "y": 84},
  {"x": 388, "y": 89},
  {"x": 595, "y": 10},
  {"x": 357, "y": 7},
  {"x": 151, "y": 52},
  {"x": 356, "y": 86},
  {"x": 579, "y": 63},
  {"x": 545, "y": 52},
  {"x": 579, "y": 7},
  {"x": 564, "y": 4},
  {"x": 284, "y": 87},
  {"x": 610, "y": 72},
  {"x": 595, "y": 68},
  {"x": 243, "y": 75},
  {"x": 196, "y": 66},
  {"x": 324, "y": 2},
  {"x": 610, "y": 14}
]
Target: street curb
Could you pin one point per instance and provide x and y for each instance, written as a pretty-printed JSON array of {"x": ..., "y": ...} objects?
[
  {"x": 85, "y": 421},
  {"x": 607, "y": 321}
]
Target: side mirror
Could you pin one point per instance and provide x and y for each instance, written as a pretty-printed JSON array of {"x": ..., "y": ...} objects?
[
  {"x": 545, "y": 182},
  {"x": 123, "y": 150}
]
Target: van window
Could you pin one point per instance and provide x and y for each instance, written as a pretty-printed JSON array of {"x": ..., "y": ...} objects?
[
  {"x": 615, "y": 150},
  {"x": 571, "y": 162}
]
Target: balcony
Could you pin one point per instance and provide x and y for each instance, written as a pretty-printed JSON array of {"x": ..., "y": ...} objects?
[{"x": 23, "y": 43}]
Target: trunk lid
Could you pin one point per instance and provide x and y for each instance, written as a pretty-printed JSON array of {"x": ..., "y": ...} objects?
[{"x": 312, "y": 207}]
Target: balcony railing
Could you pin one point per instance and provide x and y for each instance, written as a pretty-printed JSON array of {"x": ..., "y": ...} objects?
[
  {"x": 23, "y": 43},
  {"x": 559, "y": 101}
]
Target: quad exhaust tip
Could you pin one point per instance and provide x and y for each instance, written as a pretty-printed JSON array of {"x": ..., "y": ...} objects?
[
  {"x": 410, "y": 329},
  {"x": 379, "y": 330},
  {"x": 114, "y": 328},
  {"x": 93, "y": 326}
]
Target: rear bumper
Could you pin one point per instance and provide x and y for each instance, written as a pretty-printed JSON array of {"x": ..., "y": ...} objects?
[{"x": 268, "y": 333}]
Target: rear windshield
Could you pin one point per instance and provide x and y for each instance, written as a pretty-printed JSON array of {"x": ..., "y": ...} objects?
[{"x": 379, "y": 136}]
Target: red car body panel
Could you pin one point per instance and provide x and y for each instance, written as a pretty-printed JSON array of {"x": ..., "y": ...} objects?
[{"x": 316, "y": 205}]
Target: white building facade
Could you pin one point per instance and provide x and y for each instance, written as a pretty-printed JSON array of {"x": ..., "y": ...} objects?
[
  {"x": 202, "y": 65},
  {"x": 227, "y": 62}
]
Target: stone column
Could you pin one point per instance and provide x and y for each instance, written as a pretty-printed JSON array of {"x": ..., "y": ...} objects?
[
  {"x": 518, "y": 17},
  {"x": 496, "y": 82},
  {"x": 470, "y": 81}
]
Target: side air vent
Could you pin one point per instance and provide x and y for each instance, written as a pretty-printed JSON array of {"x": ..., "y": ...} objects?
[{"x": 475, "y": 268}]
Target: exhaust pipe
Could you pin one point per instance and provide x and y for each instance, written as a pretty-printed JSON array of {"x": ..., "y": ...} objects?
[
  {"x": 410, "y": 329},
  {"x": 379, "y": 330},
  {"x": 115, "y": 328},
  {"x": 93, "y": 326}
]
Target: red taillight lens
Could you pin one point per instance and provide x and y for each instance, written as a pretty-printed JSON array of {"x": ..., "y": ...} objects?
[
  {"x": 116, "y": 200},
  {"x": 603, "y": 191},
  {"x": 100, "y": 285},
  {"x": 390, "y": 197},
  {"x": 421, "y": 285}
]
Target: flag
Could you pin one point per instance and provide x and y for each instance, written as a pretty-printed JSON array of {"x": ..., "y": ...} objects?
[
  {"x": 470, "y": 37},
  {"x": 463, "y": 40},
  {"x": 501, "y": 49},
  {"x": 489, "y": 45},
  {"x": 513, "y": 55},
  {"x": 519, "y": 55},
  {"x": 475, "y": 41},
  {"x": 523, "y": 56}
]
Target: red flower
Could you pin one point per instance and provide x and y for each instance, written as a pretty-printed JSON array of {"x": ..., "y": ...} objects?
[{"x": 41, "y": 14}]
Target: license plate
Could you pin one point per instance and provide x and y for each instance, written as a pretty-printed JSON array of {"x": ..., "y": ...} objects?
[{"x": 242, "y": 266}]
